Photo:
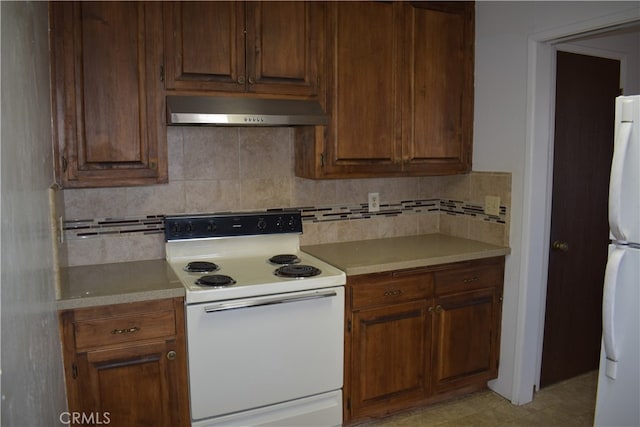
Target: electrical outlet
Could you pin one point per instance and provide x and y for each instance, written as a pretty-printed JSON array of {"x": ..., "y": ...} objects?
[
  {"x": 492, "y": 205},
  {"x": 374, "y": 202}
]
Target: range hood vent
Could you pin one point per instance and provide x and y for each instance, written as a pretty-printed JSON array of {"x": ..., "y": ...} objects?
[{"x": 222, "y": 111}]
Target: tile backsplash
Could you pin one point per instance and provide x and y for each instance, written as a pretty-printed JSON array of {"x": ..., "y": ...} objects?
[{"x": 238, "y": 169}]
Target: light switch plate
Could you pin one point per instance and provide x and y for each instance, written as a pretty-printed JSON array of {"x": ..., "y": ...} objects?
[{"x": 492, "y": 205}]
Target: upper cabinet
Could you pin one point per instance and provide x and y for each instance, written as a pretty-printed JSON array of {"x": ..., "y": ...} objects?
[
  {"x": 107, "y": 93},
  {"x": 438, "y": 100},
  {"x": 400, "y": 92},
  {"x": 236, "y": 47},
  {"x": 396, "y": 79}
]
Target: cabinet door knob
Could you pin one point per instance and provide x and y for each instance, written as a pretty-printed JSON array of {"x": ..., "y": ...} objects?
[
  {"x": 252, "y": 80},
  {"x": 241, "y": 80},
  {"x": 438, "y": 309},
  {"x": 171, "y": 355}
]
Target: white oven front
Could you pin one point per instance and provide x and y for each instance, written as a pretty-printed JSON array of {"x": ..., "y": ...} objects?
[{"x": 267, "y": 360}]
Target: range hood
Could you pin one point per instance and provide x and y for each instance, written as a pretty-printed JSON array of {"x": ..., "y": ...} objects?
[{"x": 223, "y": 111}]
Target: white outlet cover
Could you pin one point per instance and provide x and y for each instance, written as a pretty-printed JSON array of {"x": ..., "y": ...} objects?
[{"x": 374, "y": 202}]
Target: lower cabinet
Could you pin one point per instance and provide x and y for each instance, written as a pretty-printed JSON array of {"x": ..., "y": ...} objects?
[
  {"x": 125, "y": 364},
  {"x": 420, "y": 335}
]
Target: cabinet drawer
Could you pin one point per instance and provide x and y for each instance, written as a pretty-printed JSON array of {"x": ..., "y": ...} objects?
[
  {"x": 390, "y": 287},
  {"x": 116, "y": 330},
  {"x": 470, "y": 277}
]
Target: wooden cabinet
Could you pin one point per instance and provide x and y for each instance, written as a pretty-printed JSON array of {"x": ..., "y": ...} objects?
[
  {"x": 389, "y": 328},
  {"x": 420, "y": 335},
  {"x": 108, "y": 99},
  {"x": 437, "y": 106},
  {"x": 237, "y": 47},
  {"x": 126, "y": 363},
  {"x": 466, "y": 325},
  {"x": 400, "y": 92}
]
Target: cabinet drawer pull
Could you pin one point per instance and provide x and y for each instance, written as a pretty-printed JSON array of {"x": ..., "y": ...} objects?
[
  {"x": 393, "y": 293},
  {"x": 473, "y": 279},
  {"x": 125, "y": 330},
  {"x": 171, "y": 355}
]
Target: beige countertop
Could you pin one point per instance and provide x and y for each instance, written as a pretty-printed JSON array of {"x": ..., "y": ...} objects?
[
  {"x": 103, "y": 284},
  {"x": 395, "y": 253}
]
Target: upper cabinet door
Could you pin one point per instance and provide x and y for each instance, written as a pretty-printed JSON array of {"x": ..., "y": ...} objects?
[
  {"x": 107, "y": 93},
  {"x": 438, "y": 105},
  {"x": 284, "y": 47},
  {"x": 261, "y": 47},
  {"x": 363, "y": 137},
  {"x": 205, "y": 46}
]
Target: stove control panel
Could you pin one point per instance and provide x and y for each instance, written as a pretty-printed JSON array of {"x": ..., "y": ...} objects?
[{"x": 202, "y": 226}]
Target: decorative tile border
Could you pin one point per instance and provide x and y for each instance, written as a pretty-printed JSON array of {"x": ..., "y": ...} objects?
[
  {"x": 154, "y": 224},
  {"x": 343, "y": 213},
  {"x": 83, "y": 228},
  {"x": 455, "y": 207}
]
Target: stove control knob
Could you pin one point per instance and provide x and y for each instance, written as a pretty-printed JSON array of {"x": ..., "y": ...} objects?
[
  {"x": 175, "y": 228},
  {"x": 292, "y": 223},
  {"x": 211, "y": 226},
  {"x": 279, "y": 223},
  {"x": 262, "y": 224},
  {"x": 188, "y": 227}
]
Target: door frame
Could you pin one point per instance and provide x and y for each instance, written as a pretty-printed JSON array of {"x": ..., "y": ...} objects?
[{"x": 542, "y": 48}]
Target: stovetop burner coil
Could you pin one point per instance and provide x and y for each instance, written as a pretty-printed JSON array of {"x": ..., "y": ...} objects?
[
  {"x": 297, "y": 271},
  {"x": 201, "y": 267},
  {"x": 284, "y": 259},
  {"x": 215, "y": 281}
]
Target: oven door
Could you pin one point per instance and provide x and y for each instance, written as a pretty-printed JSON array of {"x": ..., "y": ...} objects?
[{"x": 254, "y": 352}]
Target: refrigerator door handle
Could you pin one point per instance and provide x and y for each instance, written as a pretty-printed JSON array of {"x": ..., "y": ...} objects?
[
  {"x": 615, "y": 184},
  {"x": 608, "y": 310}
]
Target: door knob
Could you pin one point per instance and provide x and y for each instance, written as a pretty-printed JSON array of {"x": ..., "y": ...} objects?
[{"x": 560, "y": 246}]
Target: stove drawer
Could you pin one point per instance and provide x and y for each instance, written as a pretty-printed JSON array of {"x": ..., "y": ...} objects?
[{"x": 116, "y": 330}]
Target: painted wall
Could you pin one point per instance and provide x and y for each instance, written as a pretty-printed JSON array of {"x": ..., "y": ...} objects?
[
  {"x": 33, "y": 392},
  {"x": 504, "y": 139}
]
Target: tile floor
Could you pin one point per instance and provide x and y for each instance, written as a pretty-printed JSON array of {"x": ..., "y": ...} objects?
[{"x": 568, "y": 403}]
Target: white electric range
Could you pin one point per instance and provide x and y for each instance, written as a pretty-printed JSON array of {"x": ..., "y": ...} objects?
[{"x": 265, "y": 321}]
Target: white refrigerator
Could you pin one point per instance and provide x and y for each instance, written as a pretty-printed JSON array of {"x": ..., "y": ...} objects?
[{"x": 618, "y": 396}]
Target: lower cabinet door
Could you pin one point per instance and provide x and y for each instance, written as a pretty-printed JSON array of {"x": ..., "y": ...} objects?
[
  {"x": 466, "y": 336},
  {"x": 390, "y": 357},
  {"x": 133, "y": 385}
]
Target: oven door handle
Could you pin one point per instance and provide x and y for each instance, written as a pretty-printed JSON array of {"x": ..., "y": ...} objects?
[{"x": 250, "y": 303}]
